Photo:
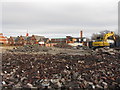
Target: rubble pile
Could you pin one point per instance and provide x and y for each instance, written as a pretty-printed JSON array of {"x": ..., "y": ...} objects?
[
  {"x": 109, "y": 51},
  {"x": 30, "y": 48},
  {"x": 62, "y": 45},
  {"x": 61, "y": 71}
]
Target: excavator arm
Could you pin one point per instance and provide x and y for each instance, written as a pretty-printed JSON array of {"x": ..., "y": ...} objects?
[{"x": 108, "y": 35}]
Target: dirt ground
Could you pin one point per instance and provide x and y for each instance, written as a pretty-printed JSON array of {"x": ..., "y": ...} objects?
[
  {"x": 52, "y": 50},
  {"x": 4, "y": 48}
]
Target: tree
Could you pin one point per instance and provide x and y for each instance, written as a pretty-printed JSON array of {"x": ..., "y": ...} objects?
[{"x": 99, "y": 35}]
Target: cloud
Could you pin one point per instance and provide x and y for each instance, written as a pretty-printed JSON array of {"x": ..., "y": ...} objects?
[{"x": 59, "y": 17}]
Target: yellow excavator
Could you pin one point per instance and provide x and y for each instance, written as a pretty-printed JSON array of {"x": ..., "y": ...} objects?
[{"x": 104, "y": 42}]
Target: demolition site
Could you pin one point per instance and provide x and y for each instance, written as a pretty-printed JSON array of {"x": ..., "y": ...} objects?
[{"x": 71, "y": 63}]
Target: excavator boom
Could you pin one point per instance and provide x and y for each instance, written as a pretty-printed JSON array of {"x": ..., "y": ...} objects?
[{"x": 108, "y": 35}]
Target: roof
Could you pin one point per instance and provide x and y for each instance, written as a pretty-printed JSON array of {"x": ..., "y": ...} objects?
[
  {"x": 16, "y": 39},
  {"x": 25, "y": 37},
  {"x": 77, "y": 37},
  {"x": 1, "y": 33},
  {"x": 39, "y": 37},
  {"x": 58, "y": 38},
  {"x": 45, "y": 39},
  {"x": 28, "y": 38},
  {"x": 3, "y": 39}
]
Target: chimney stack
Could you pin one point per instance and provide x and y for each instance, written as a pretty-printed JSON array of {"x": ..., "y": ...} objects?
[
  {"x": 81, "y": 34},
  {"x": 27, "y": 34}
]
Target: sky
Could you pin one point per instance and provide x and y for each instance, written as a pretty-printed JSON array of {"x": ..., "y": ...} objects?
[{"x": 58, "y": 18}]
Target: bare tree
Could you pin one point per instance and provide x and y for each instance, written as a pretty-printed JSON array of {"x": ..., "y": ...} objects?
[{"x": 100, "y": 35}]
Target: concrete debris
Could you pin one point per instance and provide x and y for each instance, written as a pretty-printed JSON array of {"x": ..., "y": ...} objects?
[
  {"x": 61, "y": 71},
  {"x": 61, "y": 45},
  {"x": 36, "y": 49},
  {"x": 30, "y": 48},
  {"x": 3, "y": 82},
  {"x": 109, "y": 51}
]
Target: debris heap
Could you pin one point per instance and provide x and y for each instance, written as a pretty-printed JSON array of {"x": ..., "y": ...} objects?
[
  {"x": 61, "y": 71},
  {"x": 62, "y": 45},
  {"x": 30, "y": 48}
]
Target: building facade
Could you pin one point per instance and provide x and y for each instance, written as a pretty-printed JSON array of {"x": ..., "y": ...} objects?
[{"x": 3, "y": 39}]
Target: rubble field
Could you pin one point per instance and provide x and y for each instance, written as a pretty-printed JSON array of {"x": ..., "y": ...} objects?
[
  {"x": 60, "y": 71},
  {"x": 36, "y": 49}
]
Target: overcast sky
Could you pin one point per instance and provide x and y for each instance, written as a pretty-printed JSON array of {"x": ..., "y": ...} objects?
[{"x": 58, "y": 18}]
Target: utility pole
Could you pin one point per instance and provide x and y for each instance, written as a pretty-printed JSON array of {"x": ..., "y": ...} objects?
[{"x": 119, "y": 18}]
